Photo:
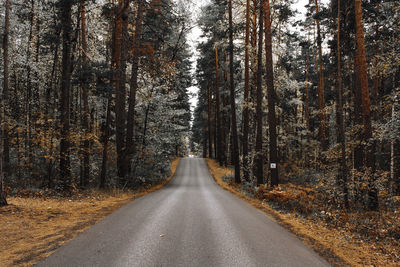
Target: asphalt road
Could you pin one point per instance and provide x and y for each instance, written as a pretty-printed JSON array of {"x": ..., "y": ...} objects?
[{"x": 190, "y": 222}]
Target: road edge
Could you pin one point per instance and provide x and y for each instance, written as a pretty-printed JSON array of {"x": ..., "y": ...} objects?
[
  {"x": 30, "y": 258},
  {"x": 308, "y": 240}
]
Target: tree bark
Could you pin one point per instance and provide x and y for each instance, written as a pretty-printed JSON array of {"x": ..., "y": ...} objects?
[
  {"x": 246, "y": 96},
  {"x": 3, "y": 159},
  {"x": 394, "y": 183},
  {"x": 65, "y": 164},
  {"x": 6, "y": 147},
  {"x": 307, "y": 96},
  {"x": 273, "y": 148},
  {"x": 365, "y": 101},
  {"x": 85, "y": 93},
  {"x": 357, "y": 111},
  {"x": 119, "y": 84},
  {"x": 235, "y": 141},
  {"x": 209, "y": 123},
  {"x": 204, "y": 138},
  {"x": 3, "y": 198},
  {"x": 252, "y": 93},
  {"x": 342, "y": 179},
  {"x": 130, "y": 145},
  {"x": 375, "y": 66},
  {"x": 321, "y": 89},
  {"x": 225, "y": 116},
  {"x": 106, "y": 135},
  {"x": 217, "y": 111},
  {"x": 259, "y": 95}
]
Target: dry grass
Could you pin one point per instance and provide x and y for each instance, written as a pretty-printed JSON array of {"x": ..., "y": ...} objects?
[
  {"x": 33, "y": 228},
  {"x": 337, "y": 245}
]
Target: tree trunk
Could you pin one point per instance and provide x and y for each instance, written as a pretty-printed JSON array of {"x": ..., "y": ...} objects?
[
  {"x": 65, "y": 164},
  {"x": 130, "y": 145},
  {"x": 375, "y": 66},
  {"x": 235, "y": 141},
  {"x": 259, "y": 95},
  {"x": 357, "y": 110},
  {"x": 119, "y": 84},
  {"x": 273, "y": 148},
  {"x": 246, "y": 96},
  {"x": 204, "y": 139},
  {"x": 365, "y": 101},
  {"x": 3, "y": 198},
  {"x": 146, "y": 118},
  {"x": 307, "y": 96},
  {"x": 209, "y": 124},
  {"x": 106, "y": 136},
  {"x": 28, "y": 96},
  {"x": 225, "y": 116},
  {"x": 4, "y": 140},
  {"x": 217, "y": 111},
  {"x": 85, "y": 93},
  {"x": 394, "y": 183},
  {"x": 6, "y": 148},
  {"x": 342, "y": 179},
  {"x": 252, "y": 93},
  {"x": 321, "y": 89}
]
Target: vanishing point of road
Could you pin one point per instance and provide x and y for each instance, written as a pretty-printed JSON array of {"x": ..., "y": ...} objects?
[{"x": 190, "y": 222}]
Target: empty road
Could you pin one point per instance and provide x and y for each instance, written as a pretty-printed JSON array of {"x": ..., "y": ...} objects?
[{"x": 190, "y": 222}]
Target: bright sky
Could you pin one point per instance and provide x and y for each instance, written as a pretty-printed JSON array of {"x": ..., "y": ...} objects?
[{"x": 194, "y": 36}]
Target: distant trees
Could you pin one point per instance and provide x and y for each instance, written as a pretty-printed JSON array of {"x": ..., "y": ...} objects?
[{"x": 68, "y": 118}]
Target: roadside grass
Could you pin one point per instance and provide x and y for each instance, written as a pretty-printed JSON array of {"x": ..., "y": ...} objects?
[
  {"x": 336, "y": 237},
  {"x": 32, "y": 227}
]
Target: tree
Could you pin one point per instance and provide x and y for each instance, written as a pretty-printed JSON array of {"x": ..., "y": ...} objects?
[
  {"x": 119, "y": 84},
  {"x": 85, "y": 100},
  {"x": 342, "y": 179},
  {"x": 273, "y": 148},
  {"x": 321, "y": 85},
  {"x": 246, "y": 96},
  {"x": 217, "y": 127},
  {"x": 365, "y": 101},
  {"x": 235, "y": 150},
  {"x": 258, "y": 149},
  {"x": 4, "y": 140},
  {"x": 65, "y": 163},
  {"x": 6, "y": 146},
  {"x": 209, "y": 119},
  {"x": 130, "y": 146}
]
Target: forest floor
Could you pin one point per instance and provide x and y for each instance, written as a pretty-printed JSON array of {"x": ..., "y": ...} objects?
[
  {"x": 34, "y": 226},
  {"x": 378, "y": 245}
]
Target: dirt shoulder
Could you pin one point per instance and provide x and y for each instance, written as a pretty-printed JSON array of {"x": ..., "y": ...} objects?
[
  {"x": 34, "y": 227},
  {"x": 338, "y": 246}
]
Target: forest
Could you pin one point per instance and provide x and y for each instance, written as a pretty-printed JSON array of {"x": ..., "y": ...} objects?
[
  {"x": 93, "y": 92},
  {"x": 310, "y": 100},
  {"x": 297, "y": 107}
]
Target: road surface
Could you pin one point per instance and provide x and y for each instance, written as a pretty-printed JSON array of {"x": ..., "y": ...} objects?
[{"x": 190, "y": 222}]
